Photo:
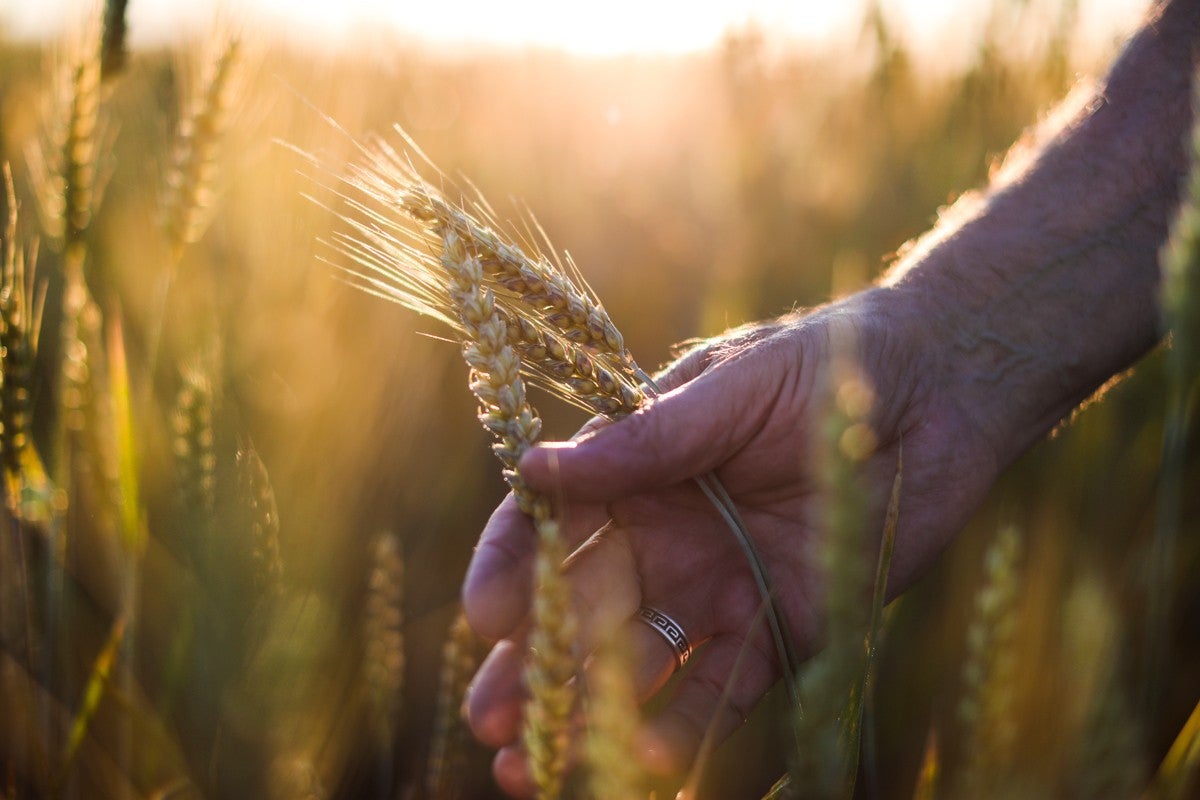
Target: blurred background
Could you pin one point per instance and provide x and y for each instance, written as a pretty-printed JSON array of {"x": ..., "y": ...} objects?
[{"x": 705, "y": 165}]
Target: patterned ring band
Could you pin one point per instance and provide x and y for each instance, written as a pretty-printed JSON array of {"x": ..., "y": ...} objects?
[{"x": 671, "y": 630}]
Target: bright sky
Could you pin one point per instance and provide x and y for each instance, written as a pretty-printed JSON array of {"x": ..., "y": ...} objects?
[{"x": 608, "y": 27}]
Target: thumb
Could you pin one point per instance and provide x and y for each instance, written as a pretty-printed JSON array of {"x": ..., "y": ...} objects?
[{"x": 674, "y": 437}]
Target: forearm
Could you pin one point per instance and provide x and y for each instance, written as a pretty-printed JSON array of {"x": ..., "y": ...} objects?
[{"x": 1037, "y": 292}]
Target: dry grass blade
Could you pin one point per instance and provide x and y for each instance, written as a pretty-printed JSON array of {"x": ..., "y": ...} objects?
[
  {"x": 1107, "y": 754},
  {"x": 691, "y": 787},
  {"x": 133, "y": 527},
  {"x": 931, "y": 770},
  {"x": 1177, "y": 777},
  {"x": 93, "y": 694}
]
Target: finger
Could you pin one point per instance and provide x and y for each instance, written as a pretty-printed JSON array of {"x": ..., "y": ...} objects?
[
  {"x": 495, "y": 593},
  {"x": 497, "y": 590},
  {"x": 511, "y": 770},
  {"x": 670, "y": 742},
  {"x": 605, "y": 587},
  {"x": 514, "y": 773},
  {"x": 651, "y": 660},
  {"x": 699, "y": 355},
  {"x": 497, "y": 694},
  {"x": 679, "y": 435},
  {"x": 605, "y": 595}
]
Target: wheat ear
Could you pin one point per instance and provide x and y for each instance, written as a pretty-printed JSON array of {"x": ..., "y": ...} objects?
[
  {"x": 261, "y": 514},
  {"x": 566, "y": 340},
  {"x": 19, "y": 325},
  {"x": 460, "y": 659},
  {"x": 986, "y": 708},
  {"x": 195, "y": 462},
  {"x": 539, "y": 285},
  {"x": 496, "y": 382},
  {"x": 394, "y": 264},
  {"x": 79, "y": 152},
  {"x": 613, "y": 716},
  {"x": 189, "y": 183},
  {"x": 383, "y": 637}
]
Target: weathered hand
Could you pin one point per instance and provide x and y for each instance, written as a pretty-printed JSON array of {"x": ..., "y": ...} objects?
[{"x": 747, "y": 407}]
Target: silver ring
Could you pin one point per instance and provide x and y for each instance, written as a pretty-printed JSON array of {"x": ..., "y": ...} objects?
[{"x": 671, "y": 630}]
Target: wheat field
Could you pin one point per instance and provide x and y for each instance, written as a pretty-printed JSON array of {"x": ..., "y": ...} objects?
[{"x": 241, "y": 493}]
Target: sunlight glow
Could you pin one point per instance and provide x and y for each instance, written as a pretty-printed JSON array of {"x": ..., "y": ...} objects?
[{"x": 613, "y": 27}]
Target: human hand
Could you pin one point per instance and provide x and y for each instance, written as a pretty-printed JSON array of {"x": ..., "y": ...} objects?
[{"x": 748, "y": 407}]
